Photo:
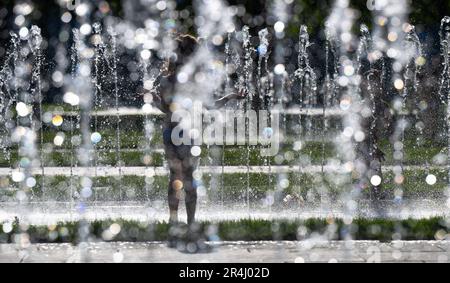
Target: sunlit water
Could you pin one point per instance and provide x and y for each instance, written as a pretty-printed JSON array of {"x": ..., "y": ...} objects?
[{"x": 258, "y": 68}]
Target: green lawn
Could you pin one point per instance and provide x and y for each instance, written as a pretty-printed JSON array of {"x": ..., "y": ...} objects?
[
  {"x": 245, "y": 230},
  {"x": 229, "y": 187},
  {"x": 134, "y": 147},
  {"x": 136, "y": 150}
]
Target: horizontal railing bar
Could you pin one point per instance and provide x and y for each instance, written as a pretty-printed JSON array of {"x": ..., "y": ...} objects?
[
  {"x": 127, "y": 111},
  {"x": 162, "y": 171}
]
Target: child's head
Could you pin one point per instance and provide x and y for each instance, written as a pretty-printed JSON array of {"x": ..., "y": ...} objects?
[{"x": 186, "y": 46}]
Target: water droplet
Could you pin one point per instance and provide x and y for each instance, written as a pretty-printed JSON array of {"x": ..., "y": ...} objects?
[
  {"x": 431, "y": 179},
  {"x": 23, "y": 33},
  {"x": 375, "y": 180},
  {"x": 145, "y": 54},
  {"x": 399, "y": 84},
  {"x": 18, "y": 176},
  {"x": 71, "y": 98},
  {"x": 22, "y": 109},
  {"x": 7, "y": 227},
  {"x": 96, "y": 138},
  {"x": 115, "y": 229},
  {"x": 57, "y": 120},
  {"x": 66, "y": 17},
  {"x": 284, "y": 184},
  {"x": 86, "y": 29},
  {"x": 268, "y": 133},
  {"x": 31, "y": 182},
  {"x": 177, "y": 185},
  {"x": 59, "y": 139},
  {"x": 196, "y": 151},
  {"x": 279, "y": 69},
  {"x": 279, "y": 26}
]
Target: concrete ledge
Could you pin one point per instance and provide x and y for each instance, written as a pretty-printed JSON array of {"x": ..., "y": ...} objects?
[{"x": 234, "y": 252}]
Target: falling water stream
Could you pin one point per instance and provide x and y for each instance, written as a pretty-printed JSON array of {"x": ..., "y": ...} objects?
[
  {"x": 276, "y": 81},
  {"x": 113, "y": 68},
  {"x": 265, "y": 86},
  {"x": 35, "y": 43},
  {"x": 248, "y": 80},
  {"x": 227, "y": 89},
  {"x": 444, "y": 90}
]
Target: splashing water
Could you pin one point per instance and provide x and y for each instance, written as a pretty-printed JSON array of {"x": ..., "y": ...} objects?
[
  {"x": 350, "y": 103},
  {"x": 444, "y": 90},
  {"x": 346, "y": 94},
  {"x": 304, "y": 80}
]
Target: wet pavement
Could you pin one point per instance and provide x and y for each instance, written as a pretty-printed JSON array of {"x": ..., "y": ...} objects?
[{"x": 234, "y": 252}]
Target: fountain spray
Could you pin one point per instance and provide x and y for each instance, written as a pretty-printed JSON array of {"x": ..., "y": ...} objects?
[
  {"x": 265, "y": 87},
  {"x": 26, "y": 81},
  {"x": 81, "y": 87},
  {"x": 389, "y": 36},
  {"x": 248, "y": 90},
  {"x": 339, "y": 25},
  {"x": 280, "y": 13},
  {"x": 8, "y": 92},
  {"x": 112, "y": 65},
  {"x": 444, "y": 90},
  {"x": 150, "y": 89},
  {"x": 304, "y": 83},
  {"x": 227, "y": 89},
  {"x": 411, "y": 75},
  {"x": 35, "y": 42}
]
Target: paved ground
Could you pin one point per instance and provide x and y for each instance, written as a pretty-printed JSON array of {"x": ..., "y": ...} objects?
[{"x": 261, "y": 252}]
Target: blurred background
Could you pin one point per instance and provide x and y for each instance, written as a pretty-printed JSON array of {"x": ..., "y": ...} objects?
[
  {"x": 257, "y": 14},
  {"x": 56, "y": 23}
]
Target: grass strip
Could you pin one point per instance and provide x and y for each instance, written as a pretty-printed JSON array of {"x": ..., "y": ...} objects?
[{"x": 383, "y": 230}]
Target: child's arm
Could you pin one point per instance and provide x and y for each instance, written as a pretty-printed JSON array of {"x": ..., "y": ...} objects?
[
  {"x": 158, "y": 103},
  {"x": 224, "y": 100}
]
